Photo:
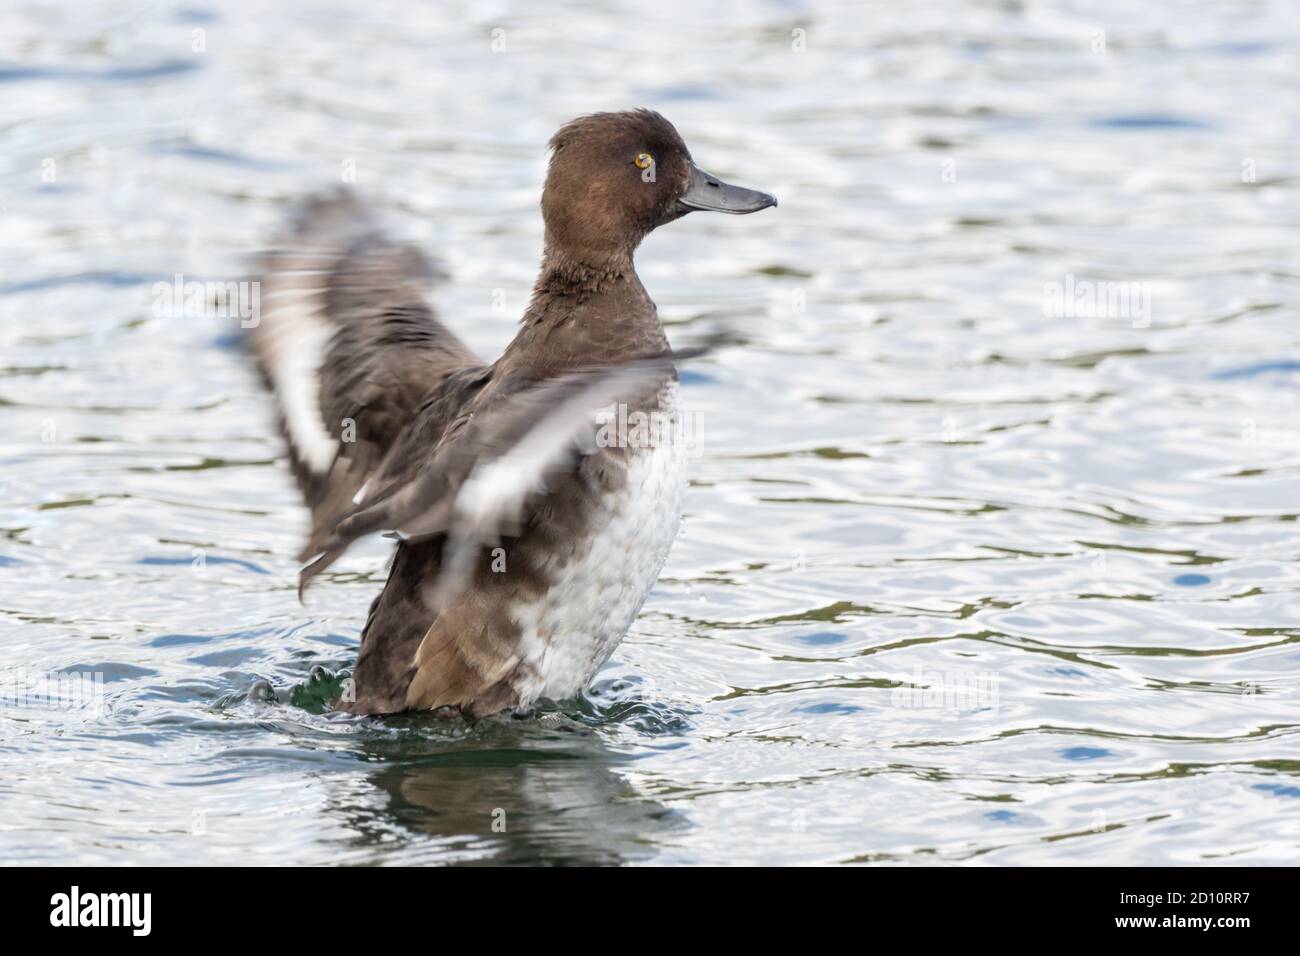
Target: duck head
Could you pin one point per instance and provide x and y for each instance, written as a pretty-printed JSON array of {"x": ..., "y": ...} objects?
[{"x": 614, "y": 177}]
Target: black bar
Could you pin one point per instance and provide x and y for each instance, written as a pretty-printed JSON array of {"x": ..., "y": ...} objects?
[{"x": 958, "y": 903}]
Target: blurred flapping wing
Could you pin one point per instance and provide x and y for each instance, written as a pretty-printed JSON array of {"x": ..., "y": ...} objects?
[
  {"x": 495, "y": 463},
  {"x": 349, "y": 348}
]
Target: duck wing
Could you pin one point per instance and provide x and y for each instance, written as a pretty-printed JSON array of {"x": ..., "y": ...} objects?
[
  {"x": 476, "y": 483},
  {"x": 350, "y": 348}
]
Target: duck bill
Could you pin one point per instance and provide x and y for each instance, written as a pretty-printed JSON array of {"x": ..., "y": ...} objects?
[{"x": 709, "y": 193}]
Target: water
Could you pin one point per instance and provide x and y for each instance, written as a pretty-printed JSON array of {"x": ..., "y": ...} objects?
[{"x": 960, "y": 580}]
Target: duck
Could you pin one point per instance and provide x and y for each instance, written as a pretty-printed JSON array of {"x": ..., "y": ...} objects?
[{"x": 528, "y": 531}]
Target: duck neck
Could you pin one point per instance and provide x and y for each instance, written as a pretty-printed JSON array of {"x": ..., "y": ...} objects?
[
  {"x": 584, "y": 313},
  {"x": 563, "y": 270}
]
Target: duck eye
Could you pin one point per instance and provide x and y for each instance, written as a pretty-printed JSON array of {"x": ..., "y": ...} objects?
[{"x": 643, "y": 161}]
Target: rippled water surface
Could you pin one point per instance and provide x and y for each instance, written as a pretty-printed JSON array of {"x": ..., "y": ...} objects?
[{"x": 961, "y": 579}]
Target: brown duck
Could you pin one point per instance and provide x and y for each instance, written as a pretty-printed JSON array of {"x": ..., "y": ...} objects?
[{"x": 529, "y": 529}]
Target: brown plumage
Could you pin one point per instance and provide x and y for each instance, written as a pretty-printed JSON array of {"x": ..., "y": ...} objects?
[{"x": 394, "y": 425}]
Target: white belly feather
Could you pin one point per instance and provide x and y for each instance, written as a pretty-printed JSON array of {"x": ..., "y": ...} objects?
[{"x": 573, "y": 629}]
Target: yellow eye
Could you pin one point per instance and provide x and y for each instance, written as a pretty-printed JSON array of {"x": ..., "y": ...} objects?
[{"x": 643, "y": 161}]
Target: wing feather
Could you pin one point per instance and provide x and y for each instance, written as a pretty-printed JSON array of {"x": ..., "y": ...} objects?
[
  {"x": 349, "y": 348},
  {"x": 477, "y": 486}
]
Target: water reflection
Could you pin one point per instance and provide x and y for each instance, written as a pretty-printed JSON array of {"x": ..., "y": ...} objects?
[{"x": 516, "y": 796}]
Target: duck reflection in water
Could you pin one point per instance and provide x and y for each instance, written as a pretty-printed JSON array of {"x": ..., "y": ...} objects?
[{"x": 510, "y": 793}]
